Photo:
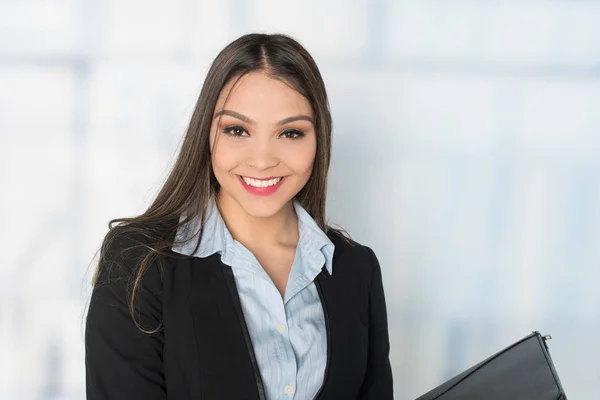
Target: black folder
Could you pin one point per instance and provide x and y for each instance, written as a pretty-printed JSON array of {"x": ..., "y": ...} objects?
[{"x": 522, "y": 371}]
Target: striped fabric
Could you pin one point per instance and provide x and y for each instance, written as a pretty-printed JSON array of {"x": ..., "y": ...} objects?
[{"x": 288, "y": 334}]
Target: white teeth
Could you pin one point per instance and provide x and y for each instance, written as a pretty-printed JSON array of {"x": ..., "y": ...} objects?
[{"x": 261, "y": 184}]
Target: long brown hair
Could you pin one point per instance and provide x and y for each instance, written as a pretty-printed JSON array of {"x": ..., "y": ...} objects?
[{"x": 191, "y": 183}]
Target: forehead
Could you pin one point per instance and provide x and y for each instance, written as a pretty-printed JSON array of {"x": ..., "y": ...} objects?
[{"x": 258, "y": 95}]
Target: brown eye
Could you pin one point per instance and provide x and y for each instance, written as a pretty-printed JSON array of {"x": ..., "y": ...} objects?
[
  {"x": 292, "y": 134},
  {"x": 235, "y": 131}
]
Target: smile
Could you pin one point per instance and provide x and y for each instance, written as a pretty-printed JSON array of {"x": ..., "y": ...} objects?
[
  {"x": 261, "y": 183},
  {"x": 261, "y": 187}
]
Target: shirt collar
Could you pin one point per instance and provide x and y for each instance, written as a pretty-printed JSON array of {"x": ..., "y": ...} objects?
[
  {"x": 312, "y": 237},
  {"x": 313, "y": 242}
]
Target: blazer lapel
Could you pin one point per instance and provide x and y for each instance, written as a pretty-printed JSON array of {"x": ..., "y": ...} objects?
[
  {"x": 346, "y": 311},
  {"x": 235, "y": 299},
  {"x": 318, "y": 283},
  {"x": 224, "y": 346}
]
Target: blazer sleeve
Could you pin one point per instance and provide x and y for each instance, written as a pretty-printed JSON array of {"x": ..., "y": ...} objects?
[
  {"x": 121, "y": 361},
  {"x": 378, "y": 382}
]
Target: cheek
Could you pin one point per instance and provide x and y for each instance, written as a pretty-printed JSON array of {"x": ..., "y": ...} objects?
[
  {"x": 300, "y": 160},
  {"x": 223, "y": 159}
]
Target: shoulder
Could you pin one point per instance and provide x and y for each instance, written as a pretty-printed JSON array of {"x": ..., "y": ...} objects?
[
  {"x": 125, "y": 252},
  {"x": 352, "y": 256},
  {"x": 128, "y": 284},
  {"x": 346, "y": 246}
]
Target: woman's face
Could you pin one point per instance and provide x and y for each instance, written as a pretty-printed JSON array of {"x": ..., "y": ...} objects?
[{"x": 265, "y": 143}]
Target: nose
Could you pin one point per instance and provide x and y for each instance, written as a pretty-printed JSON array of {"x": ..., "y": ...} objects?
[{"x": 262, "y": 155}]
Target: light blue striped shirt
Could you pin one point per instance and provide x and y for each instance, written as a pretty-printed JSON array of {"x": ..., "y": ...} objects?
[{"x": 288, "y": 335}]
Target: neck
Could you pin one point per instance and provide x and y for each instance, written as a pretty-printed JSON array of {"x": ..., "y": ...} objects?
[{"x": 259, "y": 232}]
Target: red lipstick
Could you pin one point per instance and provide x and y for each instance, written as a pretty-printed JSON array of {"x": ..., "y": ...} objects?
[{"x": 262, "y": 191}]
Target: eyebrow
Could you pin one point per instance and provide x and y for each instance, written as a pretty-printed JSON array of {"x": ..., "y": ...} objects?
[{"x": 241, "y": 117}]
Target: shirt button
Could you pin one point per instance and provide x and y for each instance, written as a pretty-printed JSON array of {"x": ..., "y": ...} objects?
[
  {"x": 280, "y": 328},
  {"x": 289, "y": 389}
]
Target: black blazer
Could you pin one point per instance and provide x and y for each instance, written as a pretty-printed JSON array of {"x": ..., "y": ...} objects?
[{"x": 202, "y": 349}]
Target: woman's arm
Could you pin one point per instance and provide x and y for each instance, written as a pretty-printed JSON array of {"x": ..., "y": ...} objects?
[
  {"x": 121, "y": 361},
  {"x": 378, "y": 383}
]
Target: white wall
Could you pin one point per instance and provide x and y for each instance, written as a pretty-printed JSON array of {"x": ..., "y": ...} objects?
[{"x": 466, "y": 154}]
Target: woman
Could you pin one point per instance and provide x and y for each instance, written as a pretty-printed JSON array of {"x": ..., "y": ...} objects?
[{"x": 231, "y": 285}]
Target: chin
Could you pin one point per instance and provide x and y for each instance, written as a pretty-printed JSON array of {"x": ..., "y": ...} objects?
[{"x": 262, "y": 208}]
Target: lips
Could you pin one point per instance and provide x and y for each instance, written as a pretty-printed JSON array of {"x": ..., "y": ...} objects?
[
  {"x": 261, "y": 187},
  {"x": 261, "y": 183}
]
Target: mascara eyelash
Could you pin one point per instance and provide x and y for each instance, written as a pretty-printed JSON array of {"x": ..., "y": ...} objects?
[
  {"x": 228, "y": 130},
  {"x": 298, "y": 134}
]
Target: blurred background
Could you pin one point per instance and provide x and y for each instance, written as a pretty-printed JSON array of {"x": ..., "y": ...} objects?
[{"x": 466, "y": 154}]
